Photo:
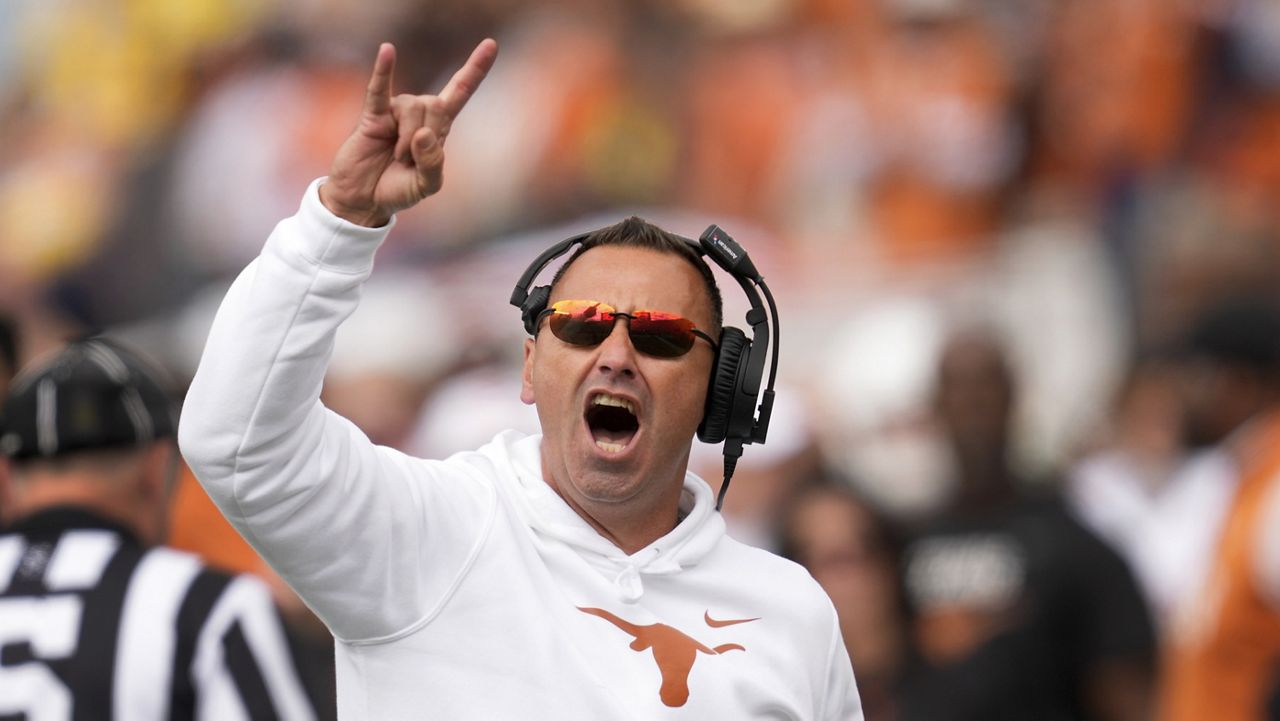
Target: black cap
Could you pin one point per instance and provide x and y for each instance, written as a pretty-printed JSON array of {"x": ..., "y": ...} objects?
[
  {"x": 92, "y": 394},
  {"x": 1242, "y": 332}
]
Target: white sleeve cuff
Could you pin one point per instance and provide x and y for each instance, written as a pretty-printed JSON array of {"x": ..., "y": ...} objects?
[{"x": 332, "y": 242}]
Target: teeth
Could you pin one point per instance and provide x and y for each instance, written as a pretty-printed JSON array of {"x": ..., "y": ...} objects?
[
  {"x": 608, "y": 400},
  {"x": 610, "y": 447}
]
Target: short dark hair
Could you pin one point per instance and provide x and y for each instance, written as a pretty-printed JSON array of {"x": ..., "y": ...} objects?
[{"x": 636, "y": 232}]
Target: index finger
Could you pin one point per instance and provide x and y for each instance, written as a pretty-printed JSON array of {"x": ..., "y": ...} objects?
[
  {"x": 463, "y": 84},
  {"x": 377, "y": 97}
]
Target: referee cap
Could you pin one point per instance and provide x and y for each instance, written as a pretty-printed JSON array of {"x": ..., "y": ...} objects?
[{"x": 95, "y": 393}]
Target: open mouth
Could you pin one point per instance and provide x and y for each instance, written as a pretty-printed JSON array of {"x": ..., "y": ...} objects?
[{"x": 612, "y": 422}]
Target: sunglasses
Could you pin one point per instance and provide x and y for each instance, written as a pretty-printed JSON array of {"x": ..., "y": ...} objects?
[{"x": 652, "y": 332}]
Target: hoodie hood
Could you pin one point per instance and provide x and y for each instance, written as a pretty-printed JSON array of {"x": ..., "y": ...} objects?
[{"x": 553, "y": 520}]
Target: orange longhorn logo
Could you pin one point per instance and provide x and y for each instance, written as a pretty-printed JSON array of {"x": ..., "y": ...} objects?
[{"x": 673, "y": 650}]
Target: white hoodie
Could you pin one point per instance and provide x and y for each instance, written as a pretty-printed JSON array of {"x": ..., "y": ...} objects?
[{"x": 466, "y": 588}]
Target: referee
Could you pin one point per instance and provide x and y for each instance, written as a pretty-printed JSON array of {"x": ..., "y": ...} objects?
[{"x": 96, "y": 621}]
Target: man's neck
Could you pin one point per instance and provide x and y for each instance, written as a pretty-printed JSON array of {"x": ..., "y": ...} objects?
[
  {"x": 622, "y": 532},
  {"x": 30, "y": 498},
  {"x": 630, "y": 525}
]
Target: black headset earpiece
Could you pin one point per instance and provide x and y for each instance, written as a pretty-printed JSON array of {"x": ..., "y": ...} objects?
[
  {"x": 533, "y": 306},
  {"x": 719, "y": 416},
  {"x": 729, "y": 414}
]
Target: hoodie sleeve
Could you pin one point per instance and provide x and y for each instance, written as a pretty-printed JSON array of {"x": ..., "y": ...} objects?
[{"x": 347, "y": 524}]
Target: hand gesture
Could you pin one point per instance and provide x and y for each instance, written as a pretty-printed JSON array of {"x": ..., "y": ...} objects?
[{"x": 395, "y": 156}]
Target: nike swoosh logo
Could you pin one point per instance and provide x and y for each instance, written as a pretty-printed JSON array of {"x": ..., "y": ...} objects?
[{"x": 730, "y": 622}]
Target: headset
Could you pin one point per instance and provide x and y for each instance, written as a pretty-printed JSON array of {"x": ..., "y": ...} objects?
[{"x": 730, "y": 415}]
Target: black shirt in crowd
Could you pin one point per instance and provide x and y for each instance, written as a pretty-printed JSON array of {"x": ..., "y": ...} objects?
[{"x": 1013, "y": 608}]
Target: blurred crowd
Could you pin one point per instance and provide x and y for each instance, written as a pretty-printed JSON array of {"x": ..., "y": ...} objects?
[{"x": 997, "y": 231}]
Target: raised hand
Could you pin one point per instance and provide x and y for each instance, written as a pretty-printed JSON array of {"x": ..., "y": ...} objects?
[{"x": 395, "y": 156}]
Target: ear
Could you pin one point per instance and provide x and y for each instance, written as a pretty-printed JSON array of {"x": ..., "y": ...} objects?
[
  {"x": 526, "y": 373},
  {"x": 158, "y": 471}
]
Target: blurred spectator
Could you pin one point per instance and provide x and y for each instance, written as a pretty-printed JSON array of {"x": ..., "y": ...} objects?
[
  {"x": 1139, "y": 492},
  {"x": 943, "y": 94},
  {"x": 872, "y": 404},
  {"x": 1224, "y": 646},
  {"x": 1020, "y": 612},
  {"x": 1116, "y": 95},
  {"x": 94, "y": 90},
  {"x": 851, "y": 549},
  {"x": 99, "y": 621}
]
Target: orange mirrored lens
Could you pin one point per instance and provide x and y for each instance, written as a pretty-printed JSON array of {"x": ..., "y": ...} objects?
[
  {"x": 588, "y": 323},
  {"x": 661, "y": 334},
  {"x": 579, "y": 322}
]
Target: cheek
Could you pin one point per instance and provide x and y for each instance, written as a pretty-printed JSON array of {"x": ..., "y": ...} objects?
[
  {"x": 691, "y": 394},
  {"x": 540, "y": 382},
  {"x": 552, "y": 378}
]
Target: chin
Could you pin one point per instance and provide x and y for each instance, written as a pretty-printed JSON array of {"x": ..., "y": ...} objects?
[{"x": 605, "y": 482}]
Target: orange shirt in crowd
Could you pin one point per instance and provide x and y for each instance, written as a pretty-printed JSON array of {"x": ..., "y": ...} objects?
[{"x": 1223, "y": 657}]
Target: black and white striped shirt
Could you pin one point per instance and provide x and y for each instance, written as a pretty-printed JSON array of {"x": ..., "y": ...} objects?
[{"x": 95, "y": 626}]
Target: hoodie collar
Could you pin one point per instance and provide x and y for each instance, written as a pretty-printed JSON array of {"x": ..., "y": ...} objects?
[{"x": 548, "y": 514}]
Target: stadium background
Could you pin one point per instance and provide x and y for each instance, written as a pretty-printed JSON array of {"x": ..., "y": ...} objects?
[{"x": 1083, "y": 176}]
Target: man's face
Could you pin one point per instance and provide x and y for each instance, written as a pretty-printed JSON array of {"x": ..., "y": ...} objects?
[
  {"x": 974, "y": 394},
  {"x": 593, "y": 452}
]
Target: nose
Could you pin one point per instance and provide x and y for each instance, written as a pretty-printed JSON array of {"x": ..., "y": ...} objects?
[{"x": 616, "y": 354}]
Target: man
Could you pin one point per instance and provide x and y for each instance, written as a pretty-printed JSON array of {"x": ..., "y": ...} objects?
[
  {"x": 96, "y": 622},
  {"x": 1019, "y": 612},
  {"x": 580, "y": 574},
  {"x": 1223, "y": 659}
]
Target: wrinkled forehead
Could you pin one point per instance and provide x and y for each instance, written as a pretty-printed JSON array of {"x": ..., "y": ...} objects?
[{"x": 630, "y": 278}]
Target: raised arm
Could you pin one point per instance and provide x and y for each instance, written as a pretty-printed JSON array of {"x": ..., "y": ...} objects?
[{"x": 346, "y": 523}]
